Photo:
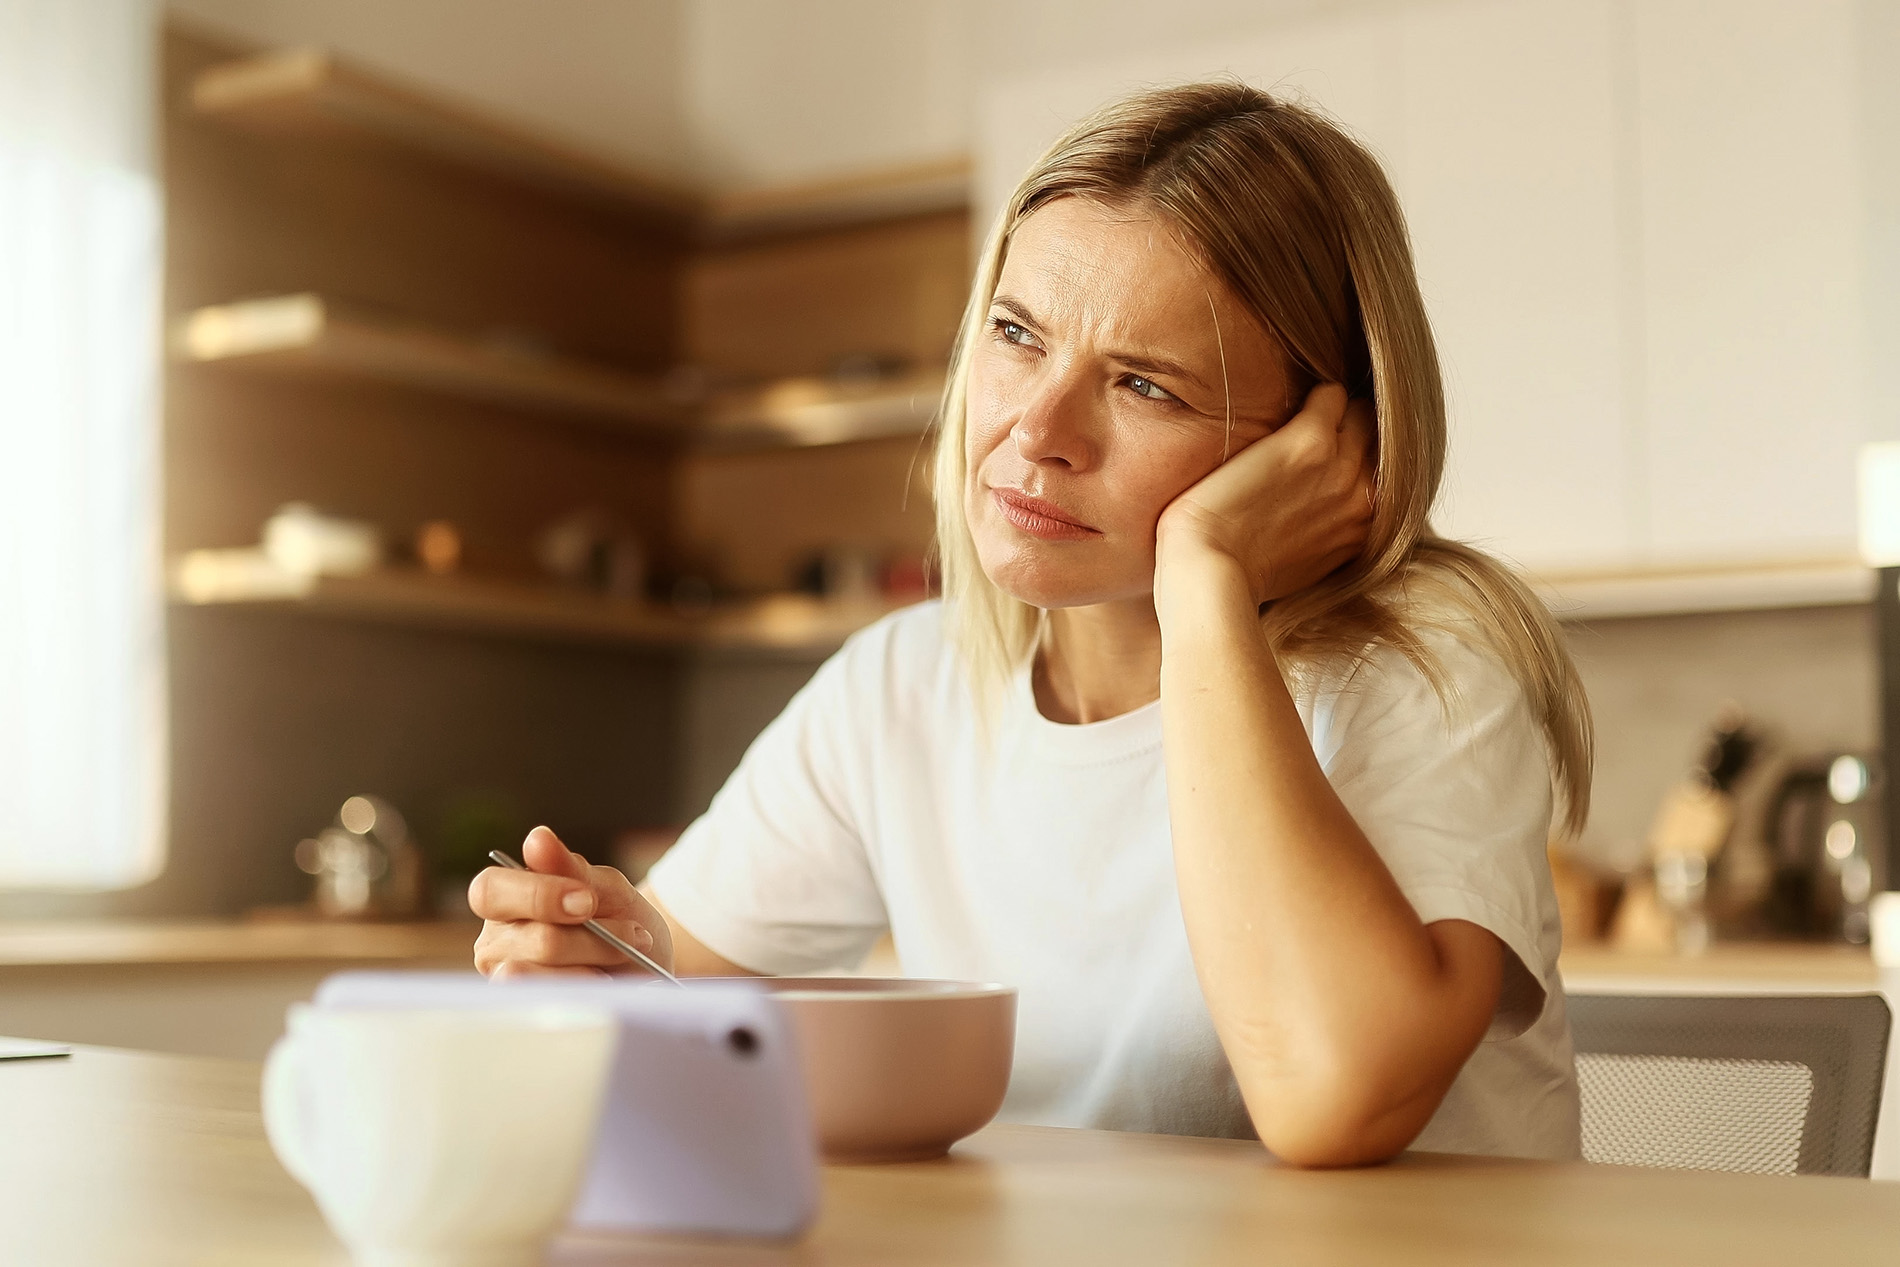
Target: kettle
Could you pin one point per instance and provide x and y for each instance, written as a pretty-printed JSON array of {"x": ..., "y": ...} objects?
[
  {"x": 1824, "y": 828},
  {"x": 365, "y": 864}
]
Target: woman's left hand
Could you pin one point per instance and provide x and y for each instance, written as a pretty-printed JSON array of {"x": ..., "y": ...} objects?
[{"x": 1286, "y": 510}]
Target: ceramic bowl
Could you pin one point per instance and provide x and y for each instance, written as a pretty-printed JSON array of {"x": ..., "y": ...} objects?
[{"x": 898, "y": 1069}]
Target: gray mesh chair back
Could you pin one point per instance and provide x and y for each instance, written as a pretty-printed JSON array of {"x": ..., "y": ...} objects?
[{"x": 1754, "y": 1083}]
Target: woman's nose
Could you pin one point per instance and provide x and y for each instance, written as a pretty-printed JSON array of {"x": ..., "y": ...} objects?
[{"x": 1055, "y": 428}]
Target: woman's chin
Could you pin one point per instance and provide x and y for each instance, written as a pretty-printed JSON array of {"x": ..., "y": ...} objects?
[{"x": 1049, "y": 585}]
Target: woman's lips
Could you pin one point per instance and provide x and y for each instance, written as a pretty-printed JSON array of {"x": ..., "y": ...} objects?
[{"x": 1038, "y": 518}]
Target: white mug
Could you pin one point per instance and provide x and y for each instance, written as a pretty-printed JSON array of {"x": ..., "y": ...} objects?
[{"x": 438, "y": 1137}]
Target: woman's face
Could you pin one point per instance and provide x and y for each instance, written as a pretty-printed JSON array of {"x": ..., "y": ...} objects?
[{"x": 1097, "y": 395}]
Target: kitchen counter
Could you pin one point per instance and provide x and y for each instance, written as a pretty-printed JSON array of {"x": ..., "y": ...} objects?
[
  {"x": 1753, "y": 967},
  {"x": 123, "y": 942},
  {"x": 211, "y": 988},
  {"x": 120, "y": 1157},
  {"x": 205, "y": 988}
]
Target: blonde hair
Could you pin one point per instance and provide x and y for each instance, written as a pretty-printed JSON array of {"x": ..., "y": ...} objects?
[{"x": 1300, "y": 222}]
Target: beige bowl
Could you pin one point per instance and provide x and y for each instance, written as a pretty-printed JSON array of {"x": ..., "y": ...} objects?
[{"x": 899, "y": 1070}]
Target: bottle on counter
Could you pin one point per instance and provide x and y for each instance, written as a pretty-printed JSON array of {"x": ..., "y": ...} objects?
[{"x": 1667, "y": 909}]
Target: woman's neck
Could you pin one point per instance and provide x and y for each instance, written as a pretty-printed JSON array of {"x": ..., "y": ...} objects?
[{"x": 1098, "y": 662}]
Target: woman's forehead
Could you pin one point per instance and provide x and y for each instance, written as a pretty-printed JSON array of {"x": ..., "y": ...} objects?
[{"x": 1120, "y": 272}]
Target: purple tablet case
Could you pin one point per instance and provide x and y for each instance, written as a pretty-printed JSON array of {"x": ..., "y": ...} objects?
[{"x": 705, "y": 1126}]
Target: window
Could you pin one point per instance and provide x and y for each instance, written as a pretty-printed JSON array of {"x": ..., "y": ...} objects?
[{"x": 82, "y": 687}]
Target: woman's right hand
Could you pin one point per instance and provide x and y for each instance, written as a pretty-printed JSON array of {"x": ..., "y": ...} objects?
[{"x": 532, "y": 919}]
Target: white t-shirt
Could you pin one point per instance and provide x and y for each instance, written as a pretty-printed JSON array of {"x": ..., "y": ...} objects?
[{"x": 1042, "y": 859}]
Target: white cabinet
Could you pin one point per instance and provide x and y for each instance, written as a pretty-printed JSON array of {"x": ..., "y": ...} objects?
[
  {"x": 1752, "y": 258},
  {"x": 1642, "y": 232},
  {"x": 1641, "y": 229},
  {"x": 1348, "y": 63},
  {"x": 1507, "y": 171}
]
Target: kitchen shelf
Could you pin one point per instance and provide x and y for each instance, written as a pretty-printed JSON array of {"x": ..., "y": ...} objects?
[
  {"x": 308, "y": 92},
  {"x": 306, "y": 334},
  {"x": 790, "y": 623},
  {"x": 942, "y": 185},
  {"x": 1611, "y": 596},
  {"x": 802, "y": 412}
]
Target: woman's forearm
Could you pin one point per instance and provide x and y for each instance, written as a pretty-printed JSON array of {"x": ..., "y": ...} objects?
[{"x": 1344, "y": 1018}]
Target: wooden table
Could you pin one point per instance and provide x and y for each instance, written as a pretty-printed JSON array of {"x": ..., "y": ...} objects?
[{"x": 125, "y": 1158}]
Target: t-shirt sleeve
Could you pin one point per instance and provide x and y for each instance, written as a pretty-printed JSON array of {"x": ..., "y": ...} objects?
[
  {"x": 1456, "y": 798},
  {"x": 774, "y": 876}
]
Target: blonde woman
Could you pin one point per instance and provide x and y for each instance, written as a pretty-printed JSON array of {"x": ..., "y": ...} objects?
[{"x": 1212, "y": 748}]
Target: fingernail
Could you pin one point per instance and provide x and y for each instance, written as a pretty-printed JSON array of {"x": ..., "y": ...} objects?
[{"x": 579, "y": 902}]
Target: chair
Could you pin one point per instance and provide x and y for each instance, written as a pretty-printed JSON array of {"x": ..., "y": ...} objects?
[{"x": 1751, "y": 1083}]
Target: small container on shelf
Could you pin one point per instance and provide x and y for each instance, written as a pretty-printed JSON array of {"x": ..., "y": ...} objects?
[
  {"x": 439, "y": 547},
  {"x": 301, "y": 540}
]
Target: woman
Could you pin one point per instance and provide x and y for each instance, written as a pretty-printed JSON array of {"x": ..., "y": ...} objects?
[{"x": 1193, "y": 429}]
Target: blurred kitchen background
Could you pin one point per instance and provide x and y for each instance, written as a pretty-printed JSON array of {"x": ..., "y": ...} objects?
[{"x": 545, "y": 387}]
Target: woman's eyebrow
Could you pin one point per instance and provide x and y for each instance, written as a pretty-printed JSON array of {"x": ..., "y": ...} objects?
[
  {"x": 1015, "y": 308},
  {"x": 1148, "y": 364}
]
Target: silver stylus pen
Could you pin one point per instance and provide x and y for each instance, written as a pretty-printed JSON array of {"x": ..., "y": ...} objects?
[{"x": 598, "y": 929}]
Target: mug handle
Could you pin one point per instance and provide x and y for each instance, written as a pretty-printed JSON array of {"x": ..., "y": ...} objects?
[{"x": 286, "y": 1110}]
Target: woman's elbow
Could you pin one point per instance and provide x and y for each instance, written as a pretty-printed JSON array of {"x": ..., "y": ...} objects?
[{"x": 1330, "y": 1126}]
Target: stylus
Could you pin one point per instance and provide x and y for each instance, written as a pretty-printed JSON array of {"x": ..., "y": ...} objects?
[{"x": 598, "y": 929}]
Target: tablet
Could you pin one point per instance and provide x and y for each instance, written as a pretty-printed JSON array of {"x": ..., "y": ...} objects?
[{"x": 705, "y": 1126}]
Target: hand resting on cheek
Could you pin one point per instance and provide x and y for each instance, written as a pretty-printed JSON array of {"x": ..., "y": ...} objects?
[{"x": 1288, "y": 509}]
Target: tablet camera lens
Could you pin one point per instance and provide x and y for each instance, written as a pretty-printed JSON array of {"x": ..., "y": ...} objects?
[{"x": 742, "y": 1041}]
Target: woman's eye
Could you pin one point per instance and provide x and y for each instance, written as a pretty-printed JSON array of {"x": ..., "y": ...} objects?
[
  {"x": 1013, "y": 332},
  {"x": 1143, "y": 387}
]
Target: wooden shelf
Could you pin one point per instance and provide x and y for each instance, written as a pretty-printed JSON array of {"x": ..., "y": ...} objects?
[
  {"x": 813, "y": 411},
  {"x": 306, "y": 334},
  {"x": 788, "y": 623},
  {"x": 308, "y": 92},
  {"x": 889, "y": 194},
  {"x": 803, "y": 624},
  {"x": 1611, "y": 596}
]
